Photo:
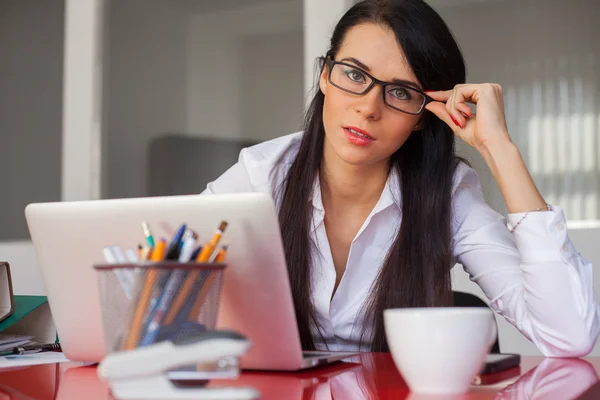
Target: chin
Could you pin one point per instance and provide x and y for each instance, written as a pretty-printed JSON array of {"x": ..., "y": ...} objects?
[{"x": 358, "y": 156}]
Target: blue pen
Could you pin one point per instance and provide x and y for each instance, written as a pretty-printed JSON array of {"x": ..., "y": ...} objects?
[
  {"x": 186, "y": 235},
  {"x": 183, "y": 314},
  {"x": 172, "y": 252},
  {"x": 155, "y": 318},
  {"x": 195, "y": 253}
]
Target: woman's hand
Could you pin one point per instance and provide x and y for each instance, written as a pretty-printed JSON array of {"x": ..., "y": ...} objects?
[
  {"x": 486, "y": 131},
  {"x": 480, "y": 129}
]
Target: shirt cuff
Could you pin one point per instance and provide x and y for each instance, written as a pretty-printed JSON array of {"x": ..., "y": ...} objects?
[{"x": 542, "y": 236}]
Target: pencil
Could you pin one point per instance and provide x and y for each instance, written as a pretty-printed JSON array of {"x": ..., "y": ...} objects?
[
  {"x": 219, "y": 255},
  {"x": 135, "y": 329},
  {"x": 146, "y": 253},
  {"x": 200, "y": 300},
  {"x": 207, "y": 250},
  {"x": 203, "y": 257},
  {"x": 158, "y": 252}
]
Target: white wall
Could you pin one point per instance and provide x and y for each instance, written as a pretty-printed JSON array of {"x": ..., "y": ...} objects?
[{"x": 534, "y": 49}]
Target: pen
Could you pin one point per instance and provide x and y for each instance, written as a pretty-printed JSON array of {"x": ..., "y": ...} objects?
[
  {"x": 109, "y": 255},
  {"x": 201, "y": 299},
  {"x": 113, "y": 255},
  {"x": 173, "y": 249},
  {"x": 131, "y": 257},
  {"x": 119, "y": 255},
  {"x": 187, "y": 249},
  {"x": 186, "y": 235},
  {"x": 32, "y": 349},
  {"x": 205, "y": 253},
  {"x": 196, "y": 253},
  {"x": 148, "y": 234}
]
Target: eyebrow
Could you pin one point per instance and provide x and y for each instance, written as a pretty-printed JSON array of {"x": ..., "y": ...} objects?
[{"x": 367, "y": 69}]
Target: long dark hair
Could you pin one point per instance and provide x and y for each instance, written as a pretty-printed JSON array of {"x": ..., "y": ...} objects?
[{"x": 416, "y": 271}]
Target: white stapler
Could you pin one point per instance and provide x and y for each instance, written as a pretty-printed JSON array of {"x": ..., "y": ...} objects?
[{"x": 148, "y": 372}]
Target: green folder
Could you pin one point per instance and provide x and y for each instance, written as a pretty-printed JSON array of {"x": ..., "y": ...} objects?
[{"x": 23, "y": 306}]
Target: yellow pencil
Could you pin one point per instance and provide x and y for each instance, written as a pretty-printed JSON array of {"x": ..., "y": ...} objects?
[
  {"x": 135, "y": 329},
  {"x": 208, "y": 249}
]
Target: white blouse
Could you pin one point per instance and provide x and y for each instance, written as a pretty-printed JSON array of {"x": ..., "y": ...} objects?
[{"x": 533, "y": 277}]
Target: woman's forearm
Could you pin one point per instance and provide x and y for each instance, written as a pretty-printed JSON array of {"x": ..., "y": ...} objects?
[{"x": 508, "y": 168}]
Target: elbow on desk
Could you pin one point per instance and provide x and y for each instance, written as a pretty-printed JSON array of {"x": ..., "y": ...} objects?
[{"x": 578, "y": 342}]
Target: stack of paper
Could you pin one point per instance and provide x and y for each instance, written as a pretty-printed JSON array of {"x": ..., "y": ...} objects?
[{"x": 8, "y": 342}]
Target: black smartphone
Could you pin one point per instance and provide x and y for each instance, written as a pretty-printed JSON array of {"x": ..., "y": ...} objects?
[{"x": 500, "y": 362}]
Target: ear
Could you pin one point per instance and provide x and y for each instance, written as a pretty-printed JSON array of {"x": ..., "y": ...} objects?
[{"x": 323, "y": 78}]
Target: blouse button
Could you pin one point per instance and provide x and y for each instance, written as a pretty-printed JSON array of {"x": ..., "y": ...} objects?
[
  {"x": 565, "y": 248},
  {"x": 560, "y": 226}
]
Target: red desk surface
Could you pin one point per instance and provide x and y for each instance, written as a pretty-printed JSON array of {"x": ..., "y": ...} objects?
[{"x": 368, "y": 376}]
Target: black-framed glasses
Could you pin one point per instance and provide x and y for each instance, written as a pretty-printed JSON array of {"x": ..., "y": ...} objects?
[{"x": 352, "y": 79}]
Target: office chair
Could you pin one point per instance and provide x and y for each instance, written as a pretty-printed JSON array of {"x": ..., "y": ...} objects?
[{"x": 462, "y": 299}]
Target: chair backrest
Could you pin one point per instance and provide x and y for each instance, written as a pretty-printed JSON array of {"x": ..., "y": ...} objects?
[{"x": 462, "y": 299}]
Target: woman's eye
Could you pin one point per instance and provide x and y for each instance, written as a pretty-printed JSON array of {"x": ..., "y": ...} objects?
[
  {"x": 355, "y": 75},
  {"x": 400, "y": 93}
]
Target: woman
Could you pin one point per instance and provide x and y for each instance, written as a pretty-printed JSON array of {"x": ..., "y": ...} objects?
[{"x": 375, "y": 208}]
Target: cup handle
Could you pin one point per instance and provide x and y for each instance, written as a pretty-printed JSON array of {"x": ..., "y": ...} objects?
[{"x": 493, "y": 331}]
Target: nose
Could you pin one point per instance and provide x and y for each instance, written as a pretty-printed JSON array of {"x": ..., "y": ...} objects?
[{"x": 369, "y": 105}]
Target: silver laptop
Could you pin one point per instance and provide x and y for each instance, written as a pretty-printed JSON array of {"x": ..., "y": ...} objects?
[{"x": 256, "y": 300}]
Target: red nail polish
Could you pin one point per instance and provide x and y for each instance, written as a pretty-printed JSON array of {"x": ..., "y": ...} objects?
[
  {"x": 429, "y": 91},
  {"x": 456, "y": 122}
]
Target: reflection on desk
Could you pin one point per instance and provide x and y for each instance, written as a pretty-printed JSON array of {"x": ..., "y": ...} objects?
[
  {"x": 317, "y": 383},
  {"x": 82, "y": 383},
  {"x": 24, "y": 383},
  {"x": 554, "y": 378},
  {"x": 365, "y": 377}
]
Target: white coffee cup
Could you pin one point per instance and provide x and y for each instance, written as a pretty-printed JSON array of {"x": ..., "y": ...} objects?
[{"x": 439, "y": 350}]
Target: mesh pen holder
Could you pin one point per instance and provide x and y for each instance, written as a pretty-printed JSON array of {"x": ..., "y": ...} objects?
[{"x": 150, "y": 302}]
